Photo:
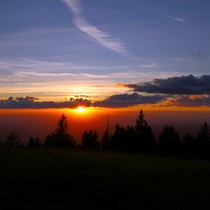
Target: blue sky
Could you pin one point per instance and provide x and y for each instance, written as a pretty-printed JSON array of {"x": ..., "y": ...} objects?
[{"x": 58, "y": 49}]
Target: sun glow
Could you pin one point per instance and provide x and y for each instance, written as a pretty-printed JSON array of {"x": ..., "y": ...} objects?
[{"x": 81, "y": 109}]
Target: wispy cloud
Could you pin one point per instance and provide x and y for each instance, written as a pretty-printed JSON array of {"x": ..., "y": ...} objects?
[
  {"x": 178, "y": 19},
  {"x": 150, "y": 65},
  {"x": 60, "y": 79},
  {"x": 102, "y": 38},
  {"x": 118, "y": 73},
  {"x": 32, "y": 65}
]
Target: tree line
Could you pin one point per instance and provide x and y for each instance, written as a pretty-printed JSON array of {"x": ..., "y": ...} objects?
[{"x": 138, "y": 138}]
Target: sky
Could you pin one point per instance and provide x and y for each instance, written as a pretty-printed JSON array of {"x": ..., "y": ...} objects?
[{"x": 105, "y": 53}]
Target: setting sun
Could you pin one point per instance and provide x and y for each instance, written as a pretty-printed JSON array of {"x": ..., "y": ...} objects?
[{"x": 81, "y": 109}]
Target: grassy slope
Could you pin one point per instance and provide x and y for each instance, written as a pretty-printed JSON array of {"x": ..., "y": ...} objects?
[{"x": 50, "y": 179}]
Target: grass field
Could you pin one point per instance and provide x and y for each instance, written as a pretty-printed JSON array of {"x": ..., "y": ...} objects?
[{"x": 56, "y": 179}]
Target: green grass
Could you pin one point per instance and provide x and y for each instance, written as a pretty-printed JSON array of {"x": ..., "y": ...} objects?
[{"x": 56, "y": 179}]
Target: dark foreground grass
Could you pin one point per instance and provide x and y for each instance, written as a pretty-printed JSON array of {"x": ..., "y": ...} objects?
[{"x": 53, "y": 179}]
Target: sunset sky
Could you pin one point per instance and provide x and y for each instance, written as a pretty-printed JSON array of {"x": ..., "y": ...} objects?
[{"x": 104, "y": 53}]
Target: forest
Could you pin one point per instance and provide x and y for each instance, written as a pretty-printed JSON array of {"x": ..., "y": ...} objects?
[{"x": 132, "y": 139}]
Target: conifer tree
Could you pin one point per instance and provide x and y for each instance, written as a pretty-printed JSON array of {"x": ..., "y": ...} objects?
[
  {"x": 90, "y": 139},
  {"x": 169, "y": 140},
  {"x": 61, "y": 137},
  {"x": 145, "y": 137},
  {"x": 203, "y": 141},
  {"x": 13, "y": 140}
]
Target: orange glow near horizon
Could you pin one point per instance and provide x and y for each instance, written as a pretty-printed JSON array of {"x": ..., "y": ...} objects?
[
  {"x": 41, "y": 122},
  {"x": 88, "y": 110}
]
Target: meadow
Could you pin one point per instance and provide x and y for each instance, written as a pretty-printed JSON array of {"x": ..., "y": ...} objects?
[{"x": 91, "y": 179}]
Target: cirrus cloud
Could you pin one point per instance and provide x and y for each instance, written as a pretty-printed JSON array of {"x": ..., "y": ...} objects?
[
  {"x": 101, "y": 37},
  {"x": 178, "y": 19}
]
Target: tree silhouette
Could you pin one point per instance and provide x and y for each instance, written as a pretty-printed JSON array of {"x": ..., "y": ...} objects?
[
  {"x": 34, "y": 142},
  {"x": 90, "y": 139},
  {"x": 204, "y": 133},
  {"x": 118, "y": 141},
  {"x": 137, "y": 138},
  {"x": 189, "y": 144},
  {"x": 131, "y": 139},
  {"x": 13, "y": 140},
  {"x": 203, "y": 140},
  {"x": 169, "y": 140},
  {"x": 145, "y": 137},
  {"x": 106, "y": 140},
  {"x": 61, "y": 137}
]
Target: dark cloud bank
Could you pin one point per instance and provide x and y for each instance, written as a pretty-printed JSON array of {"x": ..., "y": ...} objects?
[
  {"x": 124, "y": 100},
  {"x": 121, "y": 100},
  {"x": 189, "y": 85},
  {"x": 31, "y": 102},
  {"x": 175, "y": 91}
]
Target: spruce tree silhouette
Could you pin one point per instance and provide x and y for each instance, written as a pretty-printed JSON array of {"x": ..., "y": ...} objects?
[
  {"x": 33, "y": 143},
  {"x": 189, "y": 145},
  {"x": 90, "y": 139},
  {"x": 118, "y": 141},
  {"x": 131, "y": 139},
  {"x": 169, "y": 141},
  {"x": 203, "y": 140},
  {"x": 105, "y": 140},
  {"x": 61, "y": 137},
  {"x": 13, "y": 140},
  {"x": 204, "y": 133},
  {"x": 145, "y": 137}
]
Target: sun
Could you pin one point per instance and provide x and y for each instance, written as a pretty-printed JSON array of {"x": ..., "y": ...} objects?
[{"x": 81, "y": 109}]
